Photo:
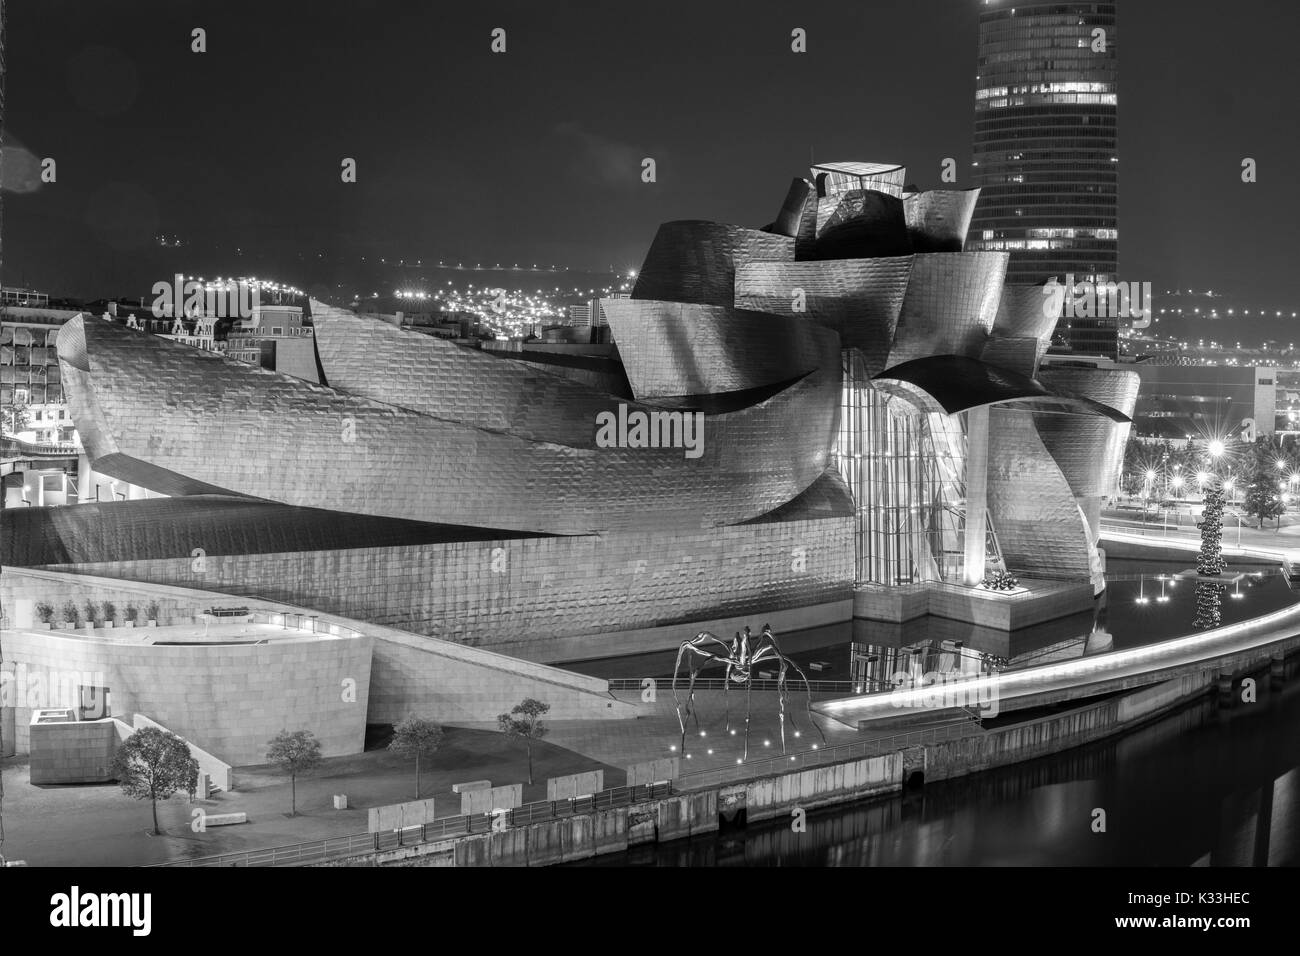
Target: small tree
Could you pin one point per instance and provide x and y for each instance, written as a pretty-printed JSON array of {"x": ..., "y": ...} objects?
[
  {"x": 416, "y": 737},
  {"x": 152, "y": 611},
  {"x": 110, "y": 612},
  {"x": 17, "y": 417},
  {"x": 1263, "y": 500},
  {"x": 45, "y": 611},
  {"x": 295, "y": 752},
  {"x": 92, "y": 611},
  {"x": 70, "y": 613},
  {"x": 153, "y": 764},
  {"x": 524, "y": 722},
  {"x": 132, "y": 613}
]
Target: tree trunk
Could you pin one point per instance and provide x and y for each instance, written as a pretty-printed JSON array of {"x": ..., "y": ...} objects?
[
  {"x": 529, "y": 748},
  {"x": 417, "y": 776},
  {"x": 293, "y": 794},
  {"x": 156, "y": 831}
]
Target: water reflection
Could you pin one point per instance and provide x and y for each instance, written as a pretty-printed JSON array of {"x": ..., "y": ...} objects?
[{"x": 1203, "y": 786}]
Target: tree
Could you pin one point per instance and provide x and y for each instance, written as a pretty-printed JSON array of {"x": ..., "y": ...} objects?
[
  {"x": 524, "y": 722},
  {"x": 295, "y": 752},
  {"x": 416, "y": 737},
  {"x": 1263, "y": 500},
  {"x": 17, "y": 417},
  {"x": 153, "y": 764}
]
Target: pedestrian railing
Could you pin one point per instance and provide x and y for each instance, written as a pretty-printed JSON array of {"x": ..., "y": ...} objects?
[
  {"x": 793, "y": 682},
  {"x": 320, "y": 851}
]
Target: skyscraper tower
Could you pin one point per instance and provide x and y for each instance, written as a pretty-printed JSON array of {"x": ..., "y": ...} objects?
[{"x": 1045, "y": 148}]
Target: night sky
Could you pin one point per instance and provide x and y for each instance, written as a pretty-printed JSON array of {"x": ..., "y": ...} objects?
[{"x": 534, "y": 155}]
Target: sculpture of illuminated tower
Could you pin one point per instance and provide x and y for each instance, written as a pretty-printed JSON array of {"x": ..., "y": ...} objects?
[{"x": 1045, "y": 148}]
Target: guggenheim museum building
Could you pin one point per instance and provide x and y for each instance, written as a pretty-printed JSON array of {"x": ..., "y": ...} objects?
[{"x": 839, "y": 414}]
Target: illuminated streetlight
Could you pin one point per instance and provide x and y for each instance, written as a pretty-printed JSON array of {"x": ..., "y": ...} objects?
[{"x": 1216, "y": 448}]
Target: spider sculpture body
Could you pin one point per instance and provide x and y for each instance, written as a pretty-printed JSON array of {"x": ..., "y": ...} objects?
[{"x": 740, "y": 657}]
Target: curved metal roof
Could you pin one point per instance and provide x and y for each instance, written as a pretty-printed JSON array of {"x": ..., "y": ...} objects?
[{"x": 955, "y": 383}]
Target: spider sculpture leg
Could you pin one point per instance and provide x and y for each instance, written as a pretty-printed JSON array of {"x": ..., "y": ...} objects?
[
  {"x": 749, "y": 690},
  {"x": 726, "y": 696},
  {"x": 781, "y": 695},
  {"x": 699, "y": 658},
  {"x": 808, "y": 690}
]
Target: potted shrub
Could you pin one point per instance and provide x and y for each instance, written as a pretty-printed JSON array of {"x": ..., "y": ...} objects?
[
  {"x": 110, "y": 614},
  {"x": 71, "y": 617},
  {"x": 92, "y": 612},
  {"x": 152, "y": 613},
  {"x": 132, "y": 612},
  {"x": 45, "y": 612}
]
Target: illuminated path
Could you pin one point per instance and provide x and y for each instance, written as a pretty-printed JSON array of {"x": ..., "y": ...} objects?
[{"x": 1226, "y": 650}]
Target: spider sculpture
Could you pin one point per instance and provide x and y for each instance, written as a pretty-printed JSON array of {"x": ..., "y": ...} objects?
[{"x": 740, "y": 659}]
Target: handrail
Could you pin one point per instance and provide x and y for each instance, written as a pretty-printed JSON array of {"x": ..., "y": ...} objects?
[
  {"x": 792, "y": 684},
  {"x": 319, "y": 851}
]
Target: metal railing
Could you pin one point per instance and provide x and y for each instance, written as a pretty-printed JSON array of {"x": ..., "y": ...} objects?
[
  {"x": 336, "y": 848},
  {"x": 792, "y": 683}
]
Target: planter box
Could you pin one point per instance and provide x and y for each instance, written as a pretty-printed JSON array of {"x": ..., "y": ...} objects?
[
  {"x": 128, "y": 623},
  {"x": 151, "y": 624},
  {"x": 109, "y": 624},
  {"x": 88, "y": 627},
  {"x": 44, "y": 626}
]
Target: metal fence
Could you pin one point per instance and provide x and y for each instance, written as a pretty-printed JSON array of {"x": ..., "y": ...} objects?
[
  {"x": 792, "y": 683},
  {"x": 336, "y": 848}
]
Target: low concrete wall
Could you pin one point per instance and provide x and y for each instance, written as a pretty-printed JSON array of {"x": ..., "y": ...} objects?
[
  {"x": 575, "y": 785},
  {"x": 398, "y": 816},
  {"x": 819, "y": 786},
  {"x": 653, "y": 771},
  {"x": 74, "y": 751},
  {"x": 496, "y": 798}
]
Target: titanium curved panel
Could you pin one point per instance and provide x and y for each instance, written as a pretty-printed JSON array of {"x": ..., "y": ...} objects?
[
  {"x": 692, "y": 260},
  {"x": 952, "y": 299},
  {"x": 1023, "y": 328},
  {"x": 797, "y": 206},
  {"x": 860, "y": 224},
  {"x": 153, "y": 410},
  {"x": 672, "y": 349},
  {"x": 1038, "y": 525},
  {"x": 376, "y": 360},
  {"x": 1089, "y": 452},
  {"x": 938, "y": 219},
  {"x": 859, "y": 298},
  {"x": 954, "y": 383}
]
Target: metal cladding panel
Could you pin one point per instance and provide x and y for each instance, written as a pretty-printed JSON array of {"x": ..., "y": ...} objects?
[
  {"x": 695, "y": 261},
  {"x": 859, "y": 298},
  {"x": 938, "y": 219},
  {"x": 373, "y": 359},
  {"x": 800, "y": 202},
  {"x": 953, "y": 383},
  {"x": 1039, "y": 526},
  {"x": 1024, "y": 312},
  {"x": 1019, "y": 355},
  {"x": 677, "y": 348},
  {"x": 860, "y": 224},
  {"x": 1089, "y": 451},
  {"x": 245, "y": 430},
  {"x": 511, "y": 594},
  {"x": 951, "y": 302}
]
